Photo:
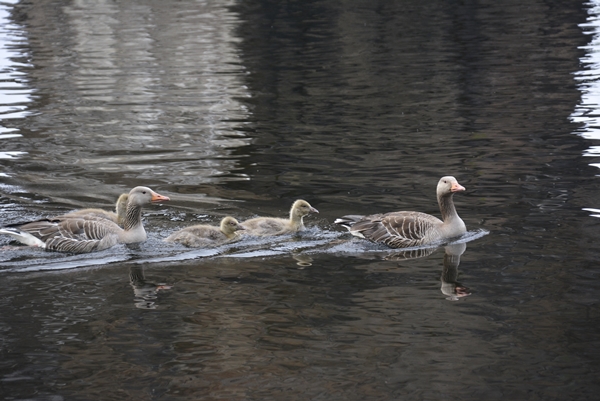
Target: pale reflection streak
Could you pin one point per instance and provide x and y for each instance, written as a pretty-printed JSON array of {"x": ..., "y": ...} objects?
[
  {"x": 155, "y": 80},
  {"x": 587, "y": 113},
  {"x": 109, "y": 41},
  {"x": 14, "y": 94}
]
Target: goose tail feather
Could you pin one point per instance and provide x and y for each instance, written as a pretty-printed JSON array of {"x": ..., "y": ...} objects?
[
  {"x": 348, "y": 221},
  {"x": 23, "y": 237}
]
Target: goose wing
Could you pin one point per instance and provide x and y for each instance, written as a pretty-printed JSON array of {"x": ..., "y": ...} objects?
[
  {"x": 92, "y": 214},
  {"x": 198, "y": 235},
  {"x": 266, "y": 226},
  {"x": 77, "y": 235},
  {"x": 205, "y": 231},
  {"x": 396, "y": 229}
]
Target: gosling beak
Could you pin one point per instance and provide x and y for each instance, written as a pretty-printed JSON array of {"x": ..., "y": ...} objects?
[
  {"x": 158, "y": 197},
  {"x": 313, "y": 210}
]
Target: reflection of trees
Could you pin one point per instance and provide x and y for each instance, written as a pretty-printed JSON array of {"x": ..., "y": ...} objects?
[{"x": 142, "y": 90}]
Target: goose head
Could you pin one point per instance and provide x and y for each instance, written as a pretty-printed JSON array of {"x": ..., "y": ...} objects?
[
  {"x": 229, "y": 226},
  {"x": 141, "y": 196},
  {"x": 121, "y": 208},
  {"x": 448, "y": 185},
  {"x": 301, "y": 208},
  {"x": 122, "y": 202}
]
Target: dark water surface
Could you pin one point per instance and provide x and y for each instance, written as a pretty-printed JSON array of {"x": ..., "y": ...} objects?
[{"x": 241, "y": 107}]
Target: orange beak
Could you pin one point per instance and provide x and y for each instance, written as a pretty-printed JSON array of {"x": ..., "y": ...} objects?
[
  {"x": 158, "y": 197},
  {"x": 457, "y": 187}
]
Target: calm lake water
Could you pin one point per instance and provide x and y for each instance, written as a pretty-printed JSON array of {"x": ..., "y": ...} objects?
[{"x": 240, "y": 107}]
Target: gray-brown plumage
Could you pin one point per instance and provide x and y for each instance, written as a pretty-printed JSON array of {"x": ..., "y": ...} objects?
[
  {"x": 411, "y": 229},
  {"x": 203, "y": 235},
  {"x": 278, "y": 226},
  {"x": 118, "y": 216},
  {"x": 81, "y": 235}
]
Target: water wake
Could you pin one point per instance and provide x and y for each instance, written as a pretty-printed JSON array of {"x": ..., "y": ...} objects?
[{"x": 310, "y": 242}]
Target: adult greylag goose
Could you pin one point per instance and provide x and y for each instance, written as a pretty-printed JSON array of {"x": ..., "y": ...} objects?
[
  {"x": 118, "y": 216},
  {"x": 81, "y": 235},
  {"x": 278, "y": 226},
  {"x": 411, "y": 229},
  {"x": 204, "y": 235}
]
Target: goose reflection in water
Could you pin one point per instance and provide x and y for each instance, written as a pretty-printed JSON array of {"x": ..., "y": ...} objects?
[
  {"x": 302, "y": 260},
  {"x": 143, "y": 291},
  {"x": 453, "y": 289},
  {"x": 450, "y": 286}
]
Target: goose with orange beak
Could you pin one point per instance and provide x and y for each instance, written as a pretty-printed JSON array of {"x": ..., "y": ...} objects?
[{"x": 81, "y": 235}]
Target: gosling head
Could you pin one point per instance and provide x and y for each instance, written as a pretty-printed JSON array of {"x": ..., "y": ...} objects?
[
  {"x": 229, "y": 226},
  {"x": 301, "y": 208}
]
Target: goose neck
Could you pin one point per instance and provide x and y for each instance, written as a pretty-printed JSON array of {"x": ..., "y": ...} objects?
[
  {"x": 447, "y": 208},
  {"x": 296, "y": 221},
  {"x": 133, "y": 217}
]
